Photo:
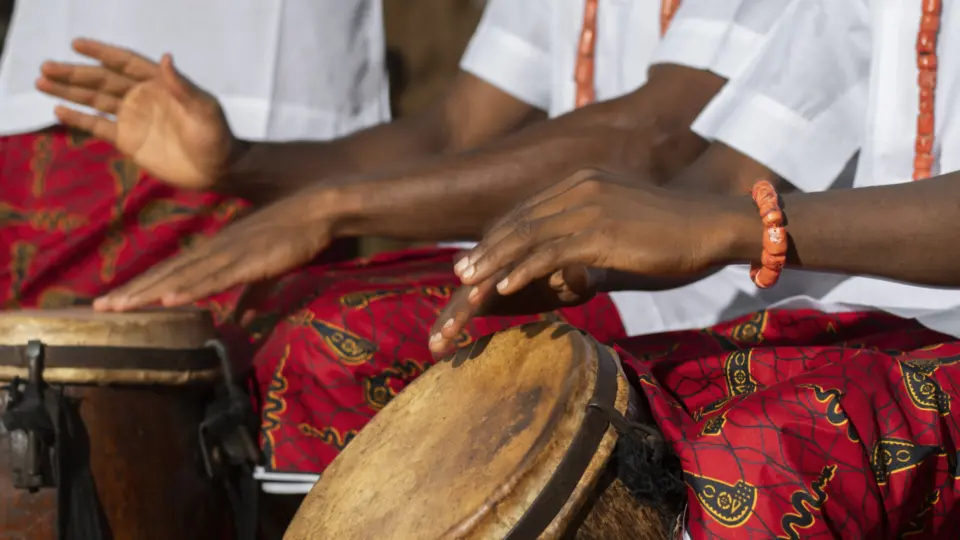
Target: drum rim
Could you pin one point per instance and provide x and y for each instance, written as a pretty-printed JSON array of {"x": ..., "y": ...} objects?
[
  {"x": 583, "y": 482},
  {"x": 121, "y": 365}
]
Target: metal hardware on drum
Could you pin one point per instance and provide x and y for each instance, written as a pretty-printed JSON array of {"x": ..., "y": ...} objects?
[
  {"x": 105, "y": 416},
  {"x": 28, "y": 420}
]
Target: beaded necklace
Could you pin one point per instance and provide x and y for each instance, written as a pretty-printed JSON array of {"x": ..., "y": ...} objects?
[
  {"x": 927, "y": 81},
  {"x": 584, "y": 73}
]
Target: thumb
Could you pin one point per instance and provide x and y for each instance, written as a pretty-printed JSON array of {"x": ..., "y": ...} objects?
[{"x": 184, "y": 91}]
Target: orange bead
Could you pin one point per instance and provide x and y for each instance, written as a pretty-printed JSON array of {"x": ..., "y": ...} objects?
[
  {"x": 931, "y": 7},
  {"x": 926, "y": 105},
  {"x": 584, "y": 73},
  {"x": 921, "y": 174},
  {"x": 590, "y": 12},
  {"x": 587, "y": 43},
  {"x": 927, "y": 94},
  {"x": 924, "y": 144},
  {"x": 925, "y": 124},
  {"x": 923, "y": 162},
  {"x": 773, "y": 262},
  {"x": 927, "y": 62},
  {"x": 930, "y": 23},
  {"x": 927, "y": 79},
  {"x": 775, "y": 241},
  {"x": 927, "y": 42},
  {"x": 772, "y": 218},
  {"x": 764, "y": 278}
]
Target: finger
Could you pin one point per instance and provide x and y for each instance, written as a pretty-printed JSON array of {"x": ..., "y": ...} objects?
[
  {"x": 548, "y": 259},
  {"x": 251, "y": 298},
  {"x": 92, "y": 77},
  {"x": 526, "y": 237},
  {"x": 545, "y": 203},
  {"x": 182, "y": 89},
  {"x": 201, "y": 281},
  {"x": 123, "y": 61},
  {"x": 98, "y": 126},
  {"x": 81, "y": 96},
  {"x": 134, "y": 292},
  {"x": 451, "y": 321}
]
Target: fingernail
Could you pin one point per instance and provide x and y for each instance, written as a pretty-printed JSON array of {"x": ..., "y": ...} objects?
[
  {"x": 461, "y": 265},
  {"x": 447, "y": 324},
  {"x": 504, "y": 283},
  {"x": 469, "y": 271}
]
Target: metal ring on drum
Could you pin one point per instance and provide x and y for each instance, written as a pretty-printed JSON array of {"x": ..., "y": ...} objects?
[
  {"x": 533, "y": 432},
  {"x": 108, "y": 422}
]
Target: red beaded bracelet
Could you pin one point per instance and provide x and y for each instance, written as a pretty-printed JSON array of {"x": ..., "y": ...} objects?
[{"x": 766, "y": 272}]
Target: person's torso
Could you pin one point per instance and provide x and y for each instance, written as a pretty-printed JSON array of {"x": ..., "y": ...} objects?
[{"x": 283, "y": 69}]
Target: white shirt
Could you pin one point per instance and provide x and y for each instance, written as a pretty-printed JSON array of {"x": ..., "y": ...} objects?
[
  {"x": 283, "y": 69},
  {"x": 851, "y": 83},
  {"x": 529, "y": 48}
]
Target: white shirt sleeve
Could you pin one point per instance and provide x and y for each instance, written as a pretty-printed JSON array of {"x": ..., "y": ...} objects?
[
  {"x": 718, "y": 35},
  {"x": 799, "y": 107},
  {"x": 511, "y": 49}
]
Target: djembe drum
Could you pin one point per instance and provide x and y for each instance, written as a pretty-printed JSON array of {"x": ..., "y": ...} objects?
[
  {"x": 531, "y": 433},
  {"x": 106, "y": 421}
]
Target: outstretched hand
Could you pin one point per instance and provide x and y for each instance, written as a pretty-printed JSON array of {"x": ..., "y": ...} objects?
[
  {"x": 568, "y": 234},
  {"x": 263, "y": 246},
  {"x": 168, "y": 125}
]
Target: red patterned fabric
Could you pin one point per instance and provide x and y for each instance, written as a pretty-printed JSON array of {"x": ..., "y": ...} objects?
[
  {"x": 76, "y": 219},
  {"x": 333, "y": 344},
  {"x": 800, "y": 424},
  {"x": 340, "y": 356}
]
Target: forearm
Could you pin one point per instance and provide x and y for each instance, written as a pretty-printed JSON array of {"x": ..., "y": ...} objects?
[
  {"x": 471, "y": 113},
  {"x": 264, "y": 172},
  {"x": 455, "y": 197},
  {"x": 903, "y": 232},
  {"x": 725, "y": 171}
]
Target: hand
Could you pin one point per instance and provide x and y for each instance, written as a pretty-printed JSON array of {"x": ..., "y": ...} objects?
[
  {"x": 570, "y": 286},
  {"x": 256, "y": 249},
  {"x": 169, "y": 126},
  {"x": 602, "y": 222}
]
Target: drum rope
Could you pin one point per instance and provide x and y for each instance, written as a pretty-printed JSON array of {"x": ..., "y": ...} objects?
[{"x": 645, "y": 463}]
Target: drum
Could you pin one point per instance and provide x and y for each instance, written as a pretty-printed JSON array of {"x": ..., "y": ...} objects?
[
  {"x": 533, "y": 432},
  {"x": 102, "y": 426}
]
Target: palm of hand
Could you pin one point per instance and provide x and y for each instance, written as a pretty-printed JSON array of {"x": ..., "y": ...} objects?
[{"x": 186, "y": 144}]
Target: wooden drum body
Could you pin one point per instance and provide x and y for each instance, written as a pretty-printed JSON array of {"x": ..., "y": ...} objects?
[
  {"x": 125, "y": 395},
  {"x": 512, "y": 438}
]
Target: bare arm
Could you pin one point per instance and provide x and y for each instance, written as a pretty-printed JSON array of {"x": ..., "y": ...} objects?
[
  {"x": 453, "y": 197},
  {"x": 903, "y": 232},
  {"x": 472, "y": 112}
]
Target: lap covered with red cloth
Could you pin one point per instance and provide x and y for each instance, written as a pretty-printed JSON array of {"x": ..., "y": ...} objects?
[
  {"x": 800, "y": 424},
  {"x": 332, "y": 344}
]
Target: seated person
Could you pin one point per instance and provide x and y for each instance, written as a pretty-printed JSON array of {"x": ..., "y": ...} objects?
[
  {"x": 832, "y": 414},
  {"x": 350, "y": 336},
  {"x": 77, "y": 217}
]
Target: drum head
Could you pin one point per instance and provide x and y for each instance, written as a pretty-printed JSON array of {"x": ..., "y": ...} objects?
[
  {"x": 464, "y": 450},
  {"x": 83, "y": 327}
]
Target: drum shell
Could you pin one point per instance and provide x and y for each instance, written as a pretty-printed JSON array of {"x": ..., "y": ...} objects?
[{"x": 145, "y": 460}]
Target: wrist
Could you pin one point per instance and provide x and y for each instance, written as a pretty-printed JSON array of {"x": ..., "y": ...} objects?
[
  {"x": 241, "y": 163},
  {"x": 341, "y": 206},
  {"x": 737, "y": 232}
]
